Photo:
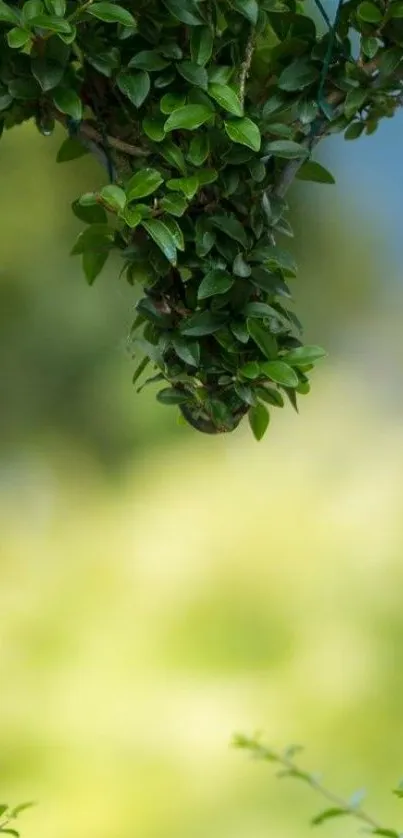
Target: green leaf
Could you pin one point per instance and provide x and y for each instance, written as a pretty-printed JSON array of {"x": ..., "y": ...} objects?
[
  {"x": 370, "y": 46},
  {"x": 114, "y": 197},
  {"x": 286, "y": 148},
  {"x": 97, "y": 237},
  {"x": 136, "y": 86},
  {"x": 56, "y": 7},
  {"x": 132, "y": 216},
  {"x": 175, "y": 204},
  {"x": 193, "y": 73},
  {"x": 244, "y": 132},
  {"x": 247, "y": 8},
  {"x": 171, "y": 395},
  {"x": 5, "y": 101},
  {"x": 260, "y": 310},
  {"x": 173, "y": 155},
  {"x": 327, "y": 814},
  {"x": 187, "y": 351},
  {"x": 369, "y": 12},
  {"x": 215, "y": 282},
  {"x": 250, "y": 370},
  {"x": 23, "y": 88},
  {"x": 94, "y": 214},
  {"x": 172, "y": 101},
  {"x": 354, "y": 130},
  {"x": 188, "y": 118},
  {"x": 355, "y": 100},
  {"x": 206, "y": 176},
  {"x": 71, "y": 149},
  {"x": 276, "y": 258},
  {"x": 68, "y": 101},
  {"x": 302, "y": 356},
  {"x": 33, "y": 8},
  {"x": 270, "y": 395},
  {"x": 389, "y": 60},
  {"x": 226, "y": 97},
  {"x": 202, "y": 323},
  {"x": 176, "y": 232},
  {"x": 148, "y": 59},
  {"x": 93, "y": 262},
  {"x": 218, "y": 74},
  {"x": 8, "y": 14},
  {"x": 313, "y": 171},
  {"x": 263, "y": 338},
  {"x": 299, "y": 74},
  {"x": 199, "y": 149},
  {"x": 153, "y": 127},
  {"x": 240, "y": 267},
  {"x": 259, "y": 418},
  {"x": 280, "y": 372},
  {"x": 162, "y": 237},
  {"x": 231, "y": 227},
  {"x": 111, "y": 13},
  {"x": 187, "y": 185},
  {"x": 201, "y": 45},
  {"x": 187, "y": 11},
  {"x": 52, "y": 24},
  {"x": 140, "y": 369},
  {"x": 47, "y": 73},
  {"x": 18, "y": 38},
  {"x": 143, "y": 183}
]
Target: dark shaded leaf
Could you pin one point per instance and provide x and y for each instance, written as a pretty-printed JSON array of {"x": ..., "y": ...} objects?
[
  {"x": 193, "y": 73},
  {"x": 162, "y": 237},
  {"x": 259, "y": 418},
  {"x": 70, "y": 149},
  {"x": 311, "y": 170},
  {"x": 215, "y": 282},
  {"x": 136, "y": 86}
]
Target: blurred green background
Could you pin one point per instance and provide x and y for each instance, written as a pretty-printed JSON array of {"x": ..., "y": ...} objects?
[{"x": 160, "y": 590}]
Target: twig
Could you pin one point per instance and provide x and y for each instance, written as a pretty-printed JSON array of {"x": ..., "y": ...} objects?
[
  {"x": 87, "y": 130},
  {"x": 291, "y": 769},
  {"x": 245, "y": 66},
  {"x": 288, "y": 174}
]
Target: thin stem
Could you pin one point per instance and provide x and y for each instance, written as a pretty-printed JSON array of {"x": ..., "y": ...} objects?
[
  {"x": 292, "y": 769},
  {"x": 246, "y": 64},
  {"x": 89, "y": 132}
]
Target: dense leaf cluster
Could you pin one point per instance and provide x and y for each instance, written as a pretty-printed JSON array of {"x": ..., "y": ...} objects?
[{"x": 203, "y": 113}]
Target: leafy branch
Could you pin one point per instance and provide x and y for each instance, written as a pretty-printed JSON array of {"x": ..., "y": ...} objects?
[
  {"x": 339, "y": 807},
  {"x": 8, "y": 815}
]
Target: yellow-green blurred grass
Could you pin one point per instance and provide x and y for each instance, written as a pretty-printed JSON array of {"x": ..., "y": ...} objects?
[{"x": 223, "y": 585}]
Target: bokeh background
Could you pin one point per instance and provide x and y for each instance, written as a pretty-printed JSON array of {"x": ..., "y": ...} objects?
[{"x": 161, "y": 590}]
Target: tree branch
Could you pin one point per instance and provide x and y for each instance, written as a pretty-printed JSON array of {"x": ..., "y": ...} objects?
[
  {"x": 245, "y": 66},
  {"x": 87, "y": 130}
]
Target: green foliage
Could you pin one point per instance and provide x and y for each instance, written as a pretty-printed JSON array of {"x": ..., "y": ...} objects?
[
  {"x": 203, "y": 113},
  {"x": 338, "y": 807}
]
